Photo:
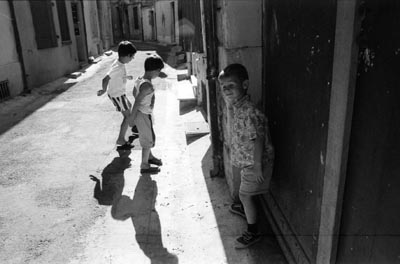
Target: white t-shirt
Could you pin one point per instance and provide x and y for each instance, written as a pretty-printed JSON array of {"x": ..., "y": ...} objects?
[
  {"x": 117, "y": 83},
  {"x": 147, "y": 104}
]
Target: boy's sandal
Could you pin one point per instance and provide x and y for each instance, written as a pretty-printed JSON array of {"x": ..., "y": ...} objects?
[
  {"x": 155, "y": 161},
  {"x": 126, "y": 146},
  {"x": 150, "y": 170}
]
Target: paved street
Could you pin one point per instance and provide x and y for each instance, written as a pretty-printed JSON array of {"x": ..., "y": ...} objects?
[{"x": 67, "y": 195}]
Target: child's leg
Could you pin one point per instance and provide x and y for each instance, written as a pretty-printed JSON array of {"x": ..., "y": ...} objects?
[
  {"x": 250, "y": 208},
  {"x": 248, "y": 186},
  {"x": 250, "y": 236},
  {"x": 124, "y": 127},
  {"x": 145, "y": 158}
]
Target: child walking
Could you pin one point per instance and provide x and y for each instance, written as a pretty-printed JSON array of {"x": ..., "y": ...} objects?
[
  {"x": 142, "y": 112},
  {"x": 251, "y": 148},
  {"x": 115, "y": 84}
]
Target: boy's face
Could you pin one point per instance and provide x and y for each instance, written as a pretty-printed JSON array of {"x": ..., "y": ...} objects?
[
  {"x": 232, "y": 88},
  {"x": 127, "y": 59},
  {"x": 156, "y": 73}
]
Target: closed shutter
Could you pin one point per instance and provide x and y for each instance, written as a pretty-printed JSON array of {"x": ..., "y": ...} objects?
[
  {"x": 63, "y": 20},
  {"x": 42, "y": 16}
]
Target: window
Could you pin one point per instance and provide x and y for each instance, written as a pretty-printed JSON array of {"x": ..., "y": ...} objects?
[
  {"x": 42, "y": 16},
  {"x": 135, "y": 18},
  {"x": 75, "y": 18},
  {"x": 63, "y": 20}
]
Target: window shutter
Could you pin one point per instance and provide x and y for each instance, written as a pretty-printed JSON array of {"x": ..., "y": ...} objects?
[
  {"x": 42, "y": 16},
  {"x": 63, "y": 19}
]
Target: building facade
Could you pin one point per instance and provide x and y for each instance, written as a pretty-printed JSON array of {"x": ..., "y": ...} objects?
[
  {"x": 325, "y": 74},
  {"x": 45, "y": 40}
]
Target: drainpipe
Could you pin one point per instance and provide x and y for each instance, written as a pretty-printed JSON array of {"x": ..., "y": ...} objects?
[
  {"x": 212, "y": 96},
  {"x": 18, "y": 46}
]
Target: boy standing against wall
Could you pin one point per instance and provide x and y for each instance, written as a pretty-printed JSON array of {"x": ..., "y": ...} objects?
[
  {"x": 115, "y": 84},
  {"x": 251, "y": 148}
]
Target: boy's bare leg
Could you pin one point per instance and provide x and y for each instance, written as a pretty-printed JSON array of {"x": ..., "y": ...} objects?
[
  {"x": 250, "y": 236},
  {"x": 151, "y": 156},
  {"x": 249, "y": 208},
  {"x": 145, "y": 158},
  {"x": 124, "y": 128}
]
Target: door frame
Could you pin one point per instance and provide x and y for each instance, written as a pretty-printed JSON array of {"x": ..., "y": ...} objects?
[
  {"x": 344, "y": 74},
  {"x": 82, "y": 29}
]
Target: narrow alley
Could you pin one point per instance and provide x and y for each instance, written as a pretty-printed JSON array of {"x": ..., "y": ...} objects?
[{"x": 67, "y": 195}]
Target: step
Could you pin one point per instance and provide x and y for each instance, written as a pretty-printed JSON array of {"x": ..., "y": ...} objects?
[
  {"x": 196, "y": 128},
  {"x": 185, "y": 91}
]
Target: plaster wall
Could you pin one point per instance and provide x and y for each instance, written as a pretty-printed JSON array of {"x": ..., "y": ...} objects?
[
  {"x": 166, "y": 18},
  {"x": 92, "y": 28},
  {"x": 241, "y": 23},
  {"x": 105, "y": 23},
  {"x": 147, "y": 21},
  {"x": 10, "y": 67},
  {"x": 44, "y": 65}
]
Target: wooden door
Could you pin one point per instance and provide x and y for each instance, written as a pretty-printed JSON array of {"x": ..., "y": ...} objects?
[{"x": 370, "y": 224}]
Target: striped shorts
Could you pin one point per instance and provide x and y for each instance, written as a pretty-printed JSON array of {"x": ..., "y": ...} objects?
[{"x": 121, "y": 103}]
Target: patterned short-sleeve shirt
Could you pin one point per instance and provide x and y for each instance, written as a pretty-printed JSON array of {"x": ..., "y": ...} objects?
[{"x": 248, "y": 124}]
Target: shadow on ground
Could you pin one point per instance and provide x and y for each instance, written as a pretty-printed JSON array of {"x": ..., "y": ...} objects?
[
  {"x": 18, "y": 108},
  {"x": 109, "y": 189},
  {"x": 265, "y": 251},
  {"x": 141, "y": 208}
]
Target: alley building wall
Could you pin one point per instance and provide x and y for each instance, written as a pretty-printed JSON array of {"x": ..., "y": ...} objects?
[
  {"x": 10, "y": 66},
  {"x": 49, "y": 63},
  {"x": 166, "y": 21},
  {"x": 93, "y": 36}
]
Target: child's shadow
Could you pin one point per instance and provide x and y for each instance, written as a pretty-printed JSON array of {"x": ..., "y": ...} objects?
[
  {"x": 145, "y": 220},
  {"x": 112, "y": 182},
  {"x": 141, "y": 209}
]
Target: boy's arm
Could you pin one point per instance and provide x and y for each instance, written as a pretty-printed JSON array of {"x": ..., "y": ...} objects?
[
  {"x": 104, "y": 85},
  {"x": 258, "y": 153},
  {"x": 134, "y": 92}
]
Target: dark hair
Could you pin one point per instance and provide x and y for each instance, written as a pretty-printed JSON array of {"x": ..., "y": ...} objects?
[
  {"x": 237, "y": 70},
  {"x": 153, "y": 63},
  {"x": 126, "y": 48}
]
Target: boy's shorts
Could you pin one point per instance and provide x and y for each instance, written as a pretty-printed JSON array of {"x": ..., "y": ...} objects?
[
  {"x": 121, "y": 103},
  {"x": 144, "y": 124},
  {"x": 249, "y": 184}
]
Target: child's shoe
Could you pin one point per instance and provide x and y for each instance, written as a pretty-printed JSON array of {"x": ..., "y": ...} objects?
[
  {"x": 125, "y": 146},
  {"x": 155, "y": 161},
  {"x": 146, "y": 168},
  {"x": 135, "y": 134},
  {"x": 247, "y": 239},
  {"x": 237, "y": 208}
]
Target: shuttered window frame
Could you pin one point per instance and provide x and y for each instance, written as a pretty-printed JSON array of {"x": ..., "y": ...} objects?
[
  {"x": 63, "y": 22},
  {"x": 43, "y": 23}
]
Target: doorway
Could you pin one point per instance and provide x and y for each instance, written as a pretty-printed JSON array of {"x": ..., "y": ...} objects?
[
  {"x": 173, "y": 22},
  {"x": 79, "y": 30}
]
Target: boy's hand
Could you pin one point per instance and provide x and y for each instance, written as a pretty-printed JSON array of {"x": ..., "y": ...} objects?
[
  {"x": 260, "y": 178},
  {"x": 100, "y": 92}
]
